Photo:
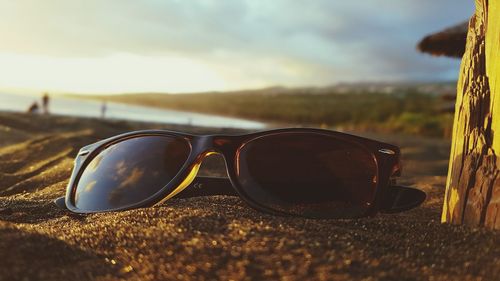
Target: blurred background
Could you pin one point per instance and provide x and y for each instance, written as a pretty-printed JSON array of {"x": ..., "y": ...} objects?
[
  {"x": 242, "y": 64},
  {"x": 75, "y": 72}
]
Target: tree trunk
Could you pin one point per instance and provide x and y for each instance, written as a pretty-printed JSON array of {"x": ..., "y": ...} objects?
[{"x": 473, "y": 186}]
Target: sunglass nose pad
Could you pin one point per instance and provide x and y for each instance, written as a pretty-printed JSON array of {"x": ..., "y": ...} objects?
[{"x": 189, "y": 178}]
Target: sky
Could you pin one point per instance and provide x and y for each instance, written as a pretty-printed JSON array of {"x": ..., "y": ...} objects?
[{"x": 117, "y": 46}]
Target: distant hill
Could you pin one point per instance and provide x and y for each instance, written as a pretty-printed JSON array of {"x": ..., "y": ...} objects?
[
  {"x": 405, "y": 107},
  {"x": 433, "y": 88}
]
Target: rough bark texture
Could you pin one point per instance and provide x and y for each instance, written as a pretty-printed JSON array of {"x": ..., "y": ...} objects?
[{"x": 473, "y": 186}]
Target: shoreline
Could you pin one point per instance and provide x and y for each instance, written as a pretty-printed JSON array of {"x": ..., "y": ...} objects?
[{"x": 73, "y": 106}]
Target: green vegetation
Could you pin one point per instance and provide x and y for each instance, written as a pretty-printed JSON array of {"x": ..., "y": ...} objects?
[{"x": 409, "y": 112}]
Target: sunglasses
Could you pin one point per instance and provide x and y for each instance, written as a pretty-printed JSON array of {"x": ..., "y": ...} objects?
[{"x": 303, "y": 172}]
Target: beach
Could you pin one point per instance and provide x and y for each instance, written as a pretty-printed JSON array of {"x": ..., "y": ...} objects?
[
  {"x": 93, "y": 108},
  {"x": 217, "y": 237}
]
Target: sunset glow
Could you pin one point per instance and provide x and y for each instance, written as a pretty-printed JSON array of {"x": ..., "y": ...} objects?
[
  {"x": 183, "y": 46},
  {"x": 114, "y": 74}
]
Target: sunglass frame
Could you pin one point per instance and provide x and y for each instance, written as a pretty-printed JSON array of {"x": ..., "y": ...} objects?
[{"x": 386, "y": 157}]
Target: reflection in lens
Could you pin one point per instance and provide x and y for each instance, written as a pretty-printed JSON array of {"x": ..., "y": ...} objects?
[
  {"x": 308, "y": 174},
  {"x": 129, "y": 172}
]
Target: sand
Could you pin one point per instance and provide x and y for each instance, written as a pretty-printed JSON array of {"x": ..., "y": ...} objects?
[{"x": 217, "y": 237}]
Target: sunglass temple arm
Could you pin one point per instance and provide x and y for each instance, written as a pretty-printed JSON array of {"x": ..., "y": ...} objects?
[
  {"x": 201, "y": 186},
  {"x": 396, "y": 199}
]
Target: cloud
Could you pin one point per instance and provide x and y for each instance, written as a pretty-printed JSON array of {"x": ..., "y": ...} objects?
[{"x": 256, "y": 43}]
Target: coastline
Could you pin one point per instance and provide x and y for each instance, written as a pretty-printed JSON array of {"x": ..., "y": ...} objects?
[{"x": 63, "y": 105}]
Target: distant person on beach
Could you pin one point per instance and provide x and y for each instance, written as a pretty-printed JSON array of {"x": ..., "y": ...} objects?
[
  {"x": 34, "y": 108},
  {"x": 45, "y": 103},
  {"x": 104, "y": 108}
]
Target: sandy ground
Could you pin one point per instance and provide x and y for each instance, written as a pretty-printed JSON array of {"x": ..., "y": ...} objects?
[{"x": 216, "y": 237}]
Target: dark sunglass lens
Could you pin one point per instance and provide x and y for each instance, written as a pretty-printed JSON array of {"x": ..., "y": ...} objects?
[
  {"x": 308, "y": 174},
  {"x": 130, "y": 171}
]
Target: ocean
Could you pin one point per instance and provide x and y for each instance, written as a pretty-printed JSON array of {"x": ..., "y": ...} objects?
[{"x": 60, "y": 105}]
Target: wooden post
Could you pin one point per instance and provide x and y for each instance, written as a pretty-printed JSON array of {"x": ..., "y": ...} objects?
[{"x": 473, "y": 186}]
